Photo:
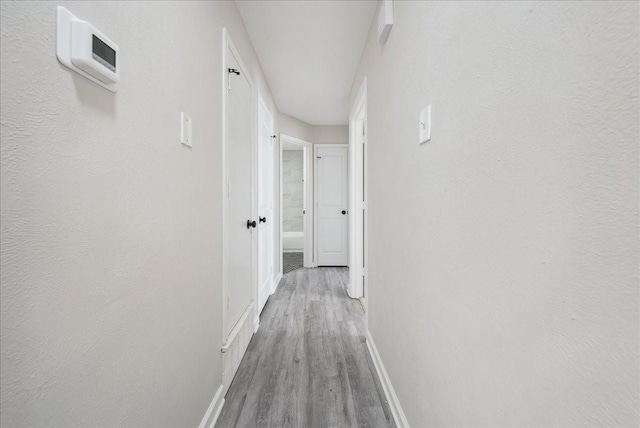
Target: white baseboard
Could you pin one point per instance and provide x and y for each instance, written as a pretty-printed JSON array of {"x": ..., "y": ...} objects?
[
  {"x": 276, "y": 282},
  {"x": 392, "y": 398},
  {"x": 236, "y": 345},
  {"x": 256, "y": 323},
  {"x": 211, "y": 416},
  {"x": 351, "y": 295}
]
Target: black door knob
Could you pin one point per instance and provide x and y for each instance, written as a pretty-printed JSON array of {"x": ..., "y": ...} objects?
[
  {"x": 251, "y": 224},
  {"x": 343, "y": 212},
  {"x": 263, "y": 219}
]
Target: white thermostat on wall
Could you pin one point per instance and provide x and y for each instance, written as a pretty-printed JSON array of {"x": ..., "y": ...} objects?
[{"x": 87, "y": 51}]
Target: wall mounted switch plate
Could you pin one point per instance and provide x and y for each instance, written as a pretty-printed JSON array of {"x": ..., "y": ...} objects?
[
  {"x": 186, "y": 129},
  {"x": 425, "y": 124}
]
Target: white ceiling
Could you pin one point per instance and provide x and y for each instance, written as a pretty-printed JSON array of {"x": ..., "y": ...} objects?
[{"x": 309, "y": 51}]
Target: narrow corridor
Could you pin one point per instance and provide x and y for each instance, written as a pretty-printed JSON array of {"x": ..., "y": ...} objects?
[{"x": 308, "y": 364}]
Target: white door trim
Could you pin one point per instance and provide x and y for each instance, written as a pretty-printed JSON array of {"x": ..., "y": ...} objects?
[
  {"x": 227, "y": 43},
  {"x": 309, "y": 253},
  {"x": 270, "y": 221},
  {"x": 358, "y": 233},
  {"x": 280, "y": 269},
  {"x": 315, "y": 198}
]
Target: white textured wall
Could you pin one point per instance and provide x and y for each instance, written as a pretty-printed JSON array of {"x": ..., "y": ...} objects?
[
  {"x": 111, "y": 236},
  {"x": 317, "y": 134},
  {"x": 294, "y": 127},
  {"x": 331, "y": 134},
  {"x": 504, "y": 253},
  {"x": 292, "y": 190}
]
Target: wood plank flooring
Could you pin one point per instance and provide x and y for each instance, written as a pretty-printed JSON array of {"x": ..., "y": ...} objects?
[{"x": 308, "y": 364}]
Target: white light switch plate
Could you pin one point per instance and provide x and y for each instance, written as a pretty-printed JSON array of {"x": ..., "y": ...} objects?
[
  {"x": 425, "y": 124},
  {"x": 186, "y": 129}
]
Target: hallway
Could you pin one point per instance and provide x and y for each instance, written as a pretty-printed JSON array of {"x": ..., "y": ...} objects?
[
  {"x": 184, "y": 183},
  {"x": 308, "y": 363}
]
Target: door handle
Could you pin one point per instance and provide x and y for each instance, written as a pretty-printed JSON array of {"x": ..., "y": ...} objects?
[
  {"x": 251, "y": 224},
  {"x": 263, "y": 219},
  {"x": 343, "y": 212}
]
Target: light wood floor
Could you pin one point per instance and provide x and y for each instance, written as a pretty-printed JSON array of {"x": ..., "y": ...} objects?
[{"x": 308, "y": 364}]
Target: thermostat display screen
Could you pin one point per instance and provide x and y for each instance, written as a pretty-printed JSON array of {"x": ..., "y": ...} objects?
[{"x": 104, "y": 54}]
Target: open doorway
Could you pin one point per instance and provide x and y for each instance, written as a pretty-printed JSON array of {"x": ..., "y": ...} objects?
[
  {"x": 296, "y": 203},
  {"x": 293, "y": 207}
]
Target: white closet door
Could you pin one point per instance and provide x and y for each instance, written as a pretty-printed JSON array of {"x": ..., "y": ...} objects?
[
  {"x": 332, "y": 205},
  {"x": 240, "y": 166}
]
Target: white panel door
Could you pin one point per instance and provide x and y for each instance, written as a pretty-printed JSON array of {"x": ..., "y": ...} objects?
[
  {"x": 239, "y": 172},
  {"x": 332, "y": 203},
  {"x": 265, "y": 206}
]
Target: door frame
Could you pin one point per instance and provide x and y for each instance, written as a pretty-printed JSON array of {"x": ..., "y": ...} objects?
[
  {"x": 309, "y": 260},
  {"x": 315, "y": 198},
  {"x": 358, "y": 198},
  {"x": 270, "y": 222},
  {"x": 227, "y": 44}
]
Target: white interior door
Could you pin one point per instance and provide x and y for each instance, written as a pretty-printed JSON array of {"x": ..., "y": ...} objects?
[
  {"x": 265, "y": 206},
  {"x": 240, "y": 208},
  {"x": 332, "y": 205}
]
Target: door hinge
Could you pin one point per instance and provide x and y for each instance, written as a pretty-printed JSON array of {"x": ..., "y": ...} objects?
[{"x": 231, "y": 71}]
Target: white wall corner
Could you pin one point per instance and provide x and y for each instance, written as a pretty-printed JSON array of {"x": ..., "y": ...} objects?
[
  {"x": 213, "y": 412},
  {"x": 396, "y": 409}
]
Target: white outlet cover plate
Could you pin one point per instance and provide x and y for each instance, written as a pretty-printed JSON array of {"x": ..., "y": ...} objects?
[
  {"x": 186, "y": 129},
  {"x": 425, "y": 124}
]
